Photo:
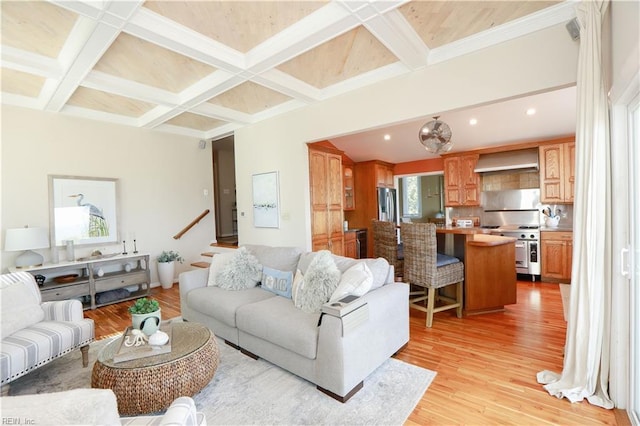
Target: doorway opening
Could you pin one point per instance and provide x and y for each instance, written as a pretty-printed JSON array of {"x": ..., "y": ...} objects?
[{"x": 224, "y": 189}]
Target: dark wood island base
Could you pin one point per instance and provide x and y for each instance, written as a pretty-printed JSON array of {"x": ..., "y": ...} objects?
[{"x": 489, "y": 264}]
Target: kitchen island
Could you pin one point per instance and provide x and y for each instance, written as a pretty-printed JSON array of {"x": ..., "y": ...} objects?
[{"x": 489, "y": 267}]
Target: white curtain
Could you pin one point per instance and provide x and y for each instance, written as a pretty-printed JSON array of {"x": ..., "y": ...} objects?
[{"x": 585, "y": 373}]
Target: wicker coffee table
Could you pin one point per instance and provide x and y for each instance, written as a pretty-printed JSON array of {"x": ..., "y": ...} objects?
[{"x": 151, "y": 384}]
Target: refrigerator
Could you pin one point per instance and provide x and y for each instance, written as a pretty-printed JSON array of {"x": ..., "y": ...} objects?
[{"x": 387, "y": 204}]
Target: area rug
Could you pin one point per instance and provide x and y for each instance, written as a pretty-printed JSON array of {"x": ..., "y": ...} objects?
[{"x": 245, "y": 391}]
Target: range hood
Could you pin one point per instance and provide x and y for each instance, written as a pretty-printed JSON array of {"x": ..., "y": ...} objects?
[{"x": 520, "y": 160}]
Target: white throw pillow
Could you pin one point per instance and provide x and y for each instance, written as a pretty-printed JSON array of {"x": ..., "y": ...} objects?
[
  {"x": 241, "y": 272},
  {"x": 217, "y": 263},
  {"x": 19, "y": 309},
  {"x": 320, "y": 281},
  {"x": 356, "y": 280}
]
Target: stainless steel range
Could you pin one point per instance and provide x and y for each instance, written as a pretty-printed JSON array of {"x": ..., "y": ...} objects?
[{"x": 516, "y": 213}]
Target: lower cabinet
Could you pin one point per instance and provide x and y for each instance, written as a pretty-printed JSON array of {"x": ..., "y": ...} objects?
[
  {"x": 350, "y": 244},
  {"x": 90, "y": 280},
  {"x": 556, "y": 256}
]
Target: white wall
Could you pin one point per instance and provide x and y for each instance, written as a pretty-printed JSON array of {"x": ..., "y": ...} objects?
[
  {"x": 161, "y": 178},
  {"x": 535, "y": 63}
]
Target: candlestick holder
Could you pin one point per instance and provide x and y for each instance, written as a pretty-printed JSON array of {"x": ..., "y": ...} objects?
[{"x": 124, "y": 247}]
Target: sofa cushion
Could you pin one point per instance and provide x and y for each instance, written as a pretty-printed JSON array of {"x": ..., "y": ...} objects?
[
  {"x": 281, "y": 258},
  {"x": 217, "y": 263},
  {"x": 276, "y": 281},
  {"x": 320, "y": 281},
  {"x": 222, "y": 304},
  {"x": 379, "y": 267},
  {"x": 356, "y": 280},
  {"x": 242, "y": 271},
  {"x": 278, "y": 321},
  {"x": 19, "y": 308}
]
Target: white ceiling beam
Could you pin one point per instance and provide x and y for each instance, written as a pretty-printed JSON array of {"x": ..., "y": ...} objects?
[
  {"x": 131, "y": 89},
  {"x": 397, "y": 35},
  {"x": 284, "y": 83},
  {"x": 100, "y": 115},
  {"x": 157, "y": 116},
  {"x": 32, "y": 63},
  {"x": 222, "y": 113},
  {"x": 313, "y": 30},
  {"x": 88, "y": 42}
]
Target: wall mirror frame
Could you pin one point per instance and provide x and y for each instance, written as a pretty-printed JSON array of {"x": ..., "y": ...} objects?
[{"x": 83, "y": 209}]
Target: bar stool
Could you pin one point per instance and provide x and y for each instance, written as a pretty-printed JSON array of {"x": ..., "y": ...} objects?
[
  {"x": 385, "y": 245},
  {"x": 425, "y": 267}
]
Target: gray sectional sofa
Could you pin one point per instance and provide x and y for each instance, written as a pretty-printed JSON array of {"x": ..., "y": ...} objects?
[{"x": 335, "y": 351}]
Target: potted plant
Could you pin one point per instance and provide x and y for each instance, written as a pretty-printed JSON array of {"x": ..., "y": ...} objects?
[
  {"x": 145, "y": 315},
  {"x": 166, "y": 267}
]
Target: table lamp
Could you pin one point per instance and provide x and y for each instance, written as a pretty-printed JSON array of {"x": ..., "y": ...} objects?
[{"x": 27, "y": 239}]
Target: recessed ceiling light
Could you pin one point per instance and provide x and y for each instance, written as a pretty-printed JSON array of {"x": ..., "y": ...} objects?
[
  {"x": 387, "y": 137},
  {"x": 473, "y": 121},
  {"x": 531, "y": 111}
]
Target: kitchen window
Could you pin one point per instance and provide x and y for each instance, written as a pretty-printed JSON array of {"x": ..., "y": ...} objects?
[{"x": 411, "y": 197}]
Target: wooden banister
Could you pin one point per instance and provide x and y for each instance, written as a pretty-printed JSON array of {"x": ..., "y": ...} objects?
[{"x": 191, "y": 225}]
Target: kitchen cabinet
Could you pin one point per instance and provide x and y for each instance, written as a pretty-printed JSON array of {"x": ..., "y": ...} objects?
[
  {"x": 384, "y": 175},
  {"x": 557, "y": 173},
  {"x": 350, "y": 244},
  {"x": 556, "y": 256},
  {"x": 369, "y": 176},
  {"x": 349, "y": 202},
  {"x": 325, "y": 177},
  {"x": 461, "y": 183},
  {"x": 93, "y": 278}
]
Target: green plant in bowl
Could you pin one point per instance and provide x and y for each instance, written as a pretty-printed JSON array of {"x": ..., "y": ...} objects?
[{"x": 144, "y": 306}]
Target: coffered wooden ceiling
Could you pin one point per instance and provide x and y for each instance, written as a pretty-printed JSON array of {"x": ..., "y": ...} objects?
[{"x": 206, "y": 68}]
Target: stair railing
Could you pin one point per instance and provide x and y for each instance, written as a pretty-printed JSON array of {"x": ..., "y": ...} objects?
[{"x": 191, "y": 225}]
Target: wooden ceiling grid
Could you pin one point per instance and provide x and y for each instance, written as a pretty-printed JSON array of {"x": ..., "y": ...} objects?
[{"x": 205, "y": 69}]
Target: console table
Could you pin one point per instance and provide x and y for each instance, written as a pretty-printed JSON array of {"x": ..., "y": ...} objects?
[{"x": 95, "y": 275}]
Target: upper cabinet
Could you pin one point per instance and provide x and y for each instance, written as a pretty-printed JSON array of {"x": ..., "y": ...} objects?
[
  {"x": 461, "y": 183},
  {"x": 557, "y": 173},
  {"x": 384, "y": 175},
  {"x": 348, "y": 182}
]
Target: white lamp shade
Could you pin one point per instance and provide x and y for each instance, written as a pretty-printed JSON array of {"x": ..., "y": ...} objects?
[{"x": 26, "y": 239}]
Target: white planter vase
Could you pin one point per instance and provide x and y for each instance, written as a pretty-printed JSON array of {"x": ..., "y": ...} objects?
[
  {"x": 166, "y": 271},
  {"x": 148, "y": 323}
]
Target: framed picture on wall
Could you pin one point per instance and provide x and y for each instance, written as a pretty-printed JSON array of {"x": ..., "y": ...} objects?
[
  {"x": 266, "y": 211},
  {"x": 83, "y": 209}
]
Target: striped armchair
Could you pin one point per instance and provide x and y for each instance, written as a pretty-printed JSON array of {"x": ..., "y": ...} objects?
[{"x": 35, "y": 333}]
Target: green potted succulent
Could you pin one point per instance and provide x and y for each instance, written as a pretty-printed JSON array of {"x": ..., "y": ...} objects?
[
  {"x": 166, "y": 267},
  {"x": 145, "y": 315}
]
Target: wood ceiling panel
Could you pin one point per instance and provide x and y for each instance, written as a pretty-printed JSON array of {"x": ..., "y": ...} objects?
[
  {"x": 442, "y": 22},
  {"x": 108, "y": 102},
  {"x": 138, "y": 60},
  {"x": 47, "y": 26},
  {"x": 241, "y": 25},
  {"x": 21, "y": 83},
  {"x": 195, "y": 121},
  {"x": 341, "y": 58},
  {"x": 250, "y": 98}
]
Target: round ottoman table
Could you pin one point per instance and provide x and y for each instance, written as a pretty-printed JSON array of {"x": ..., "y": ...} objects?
[{"x": 147, "y": 385}]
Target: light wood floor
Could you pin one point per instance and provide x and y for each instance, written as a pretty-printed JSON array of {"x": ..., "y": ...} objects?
[{"x": 486, "y": 364}]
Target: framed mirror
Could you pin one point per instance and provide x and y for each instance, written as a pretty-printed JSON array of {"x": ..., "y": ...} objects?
[{"x": 83, "y": 209}]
